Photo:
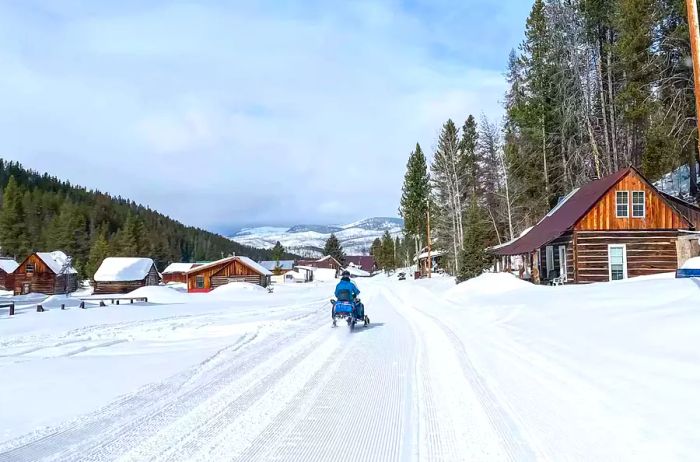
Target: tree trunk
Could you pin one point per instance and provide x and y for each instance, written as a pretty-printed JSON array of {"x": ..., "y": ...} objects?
[{"x": 611, "y": 102}]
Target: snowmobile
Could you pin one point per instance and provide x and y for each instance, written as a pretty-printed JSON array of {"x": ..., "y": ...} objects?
[{"x": 352, "y": 311}]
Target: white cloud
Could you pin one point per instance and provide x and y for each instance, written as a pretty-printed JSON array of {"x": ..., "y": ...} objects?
[{"x": 236, "y": 115}]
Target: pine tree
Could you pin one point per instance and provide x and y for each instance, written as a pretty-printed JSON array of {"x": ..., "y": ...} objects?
[
  {"x": 376, "y": 251},
  {"x": 415, "y": 196},
  {"x": 13, "y": 230},
  {"x": 334, "y": 249},
  {"x": 469, "y": 162},
  {"x": 388, "y": 261},
  {"x": 474, "y": 257},
  {"x": 98, "y": 252},
  {"x": 277, "y": 252}
]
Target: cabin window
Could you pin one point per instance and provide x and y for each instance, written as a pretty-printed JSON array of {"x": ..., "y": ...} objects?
[
  {"x": 638, "y": 205},
  {"x": 622, "y": 204},
  {"x": 617, "y": 261},
  {"x": 30, "y": 268},
  {"x": 199, "y": 282}
]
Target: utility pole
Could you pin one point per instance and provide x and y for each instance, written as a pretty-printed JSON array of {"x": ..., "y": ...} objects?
[
  {"x": 695, "y": 51},
  {"x": 430, "y": 260}
]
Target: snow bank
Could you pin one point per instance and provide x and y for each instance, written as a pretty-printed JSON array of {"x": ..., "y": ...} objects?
[
  {"x": 233, "y": 289},
  {"x": 160, "y": 294},
  {"x": 489, "y": 284}
]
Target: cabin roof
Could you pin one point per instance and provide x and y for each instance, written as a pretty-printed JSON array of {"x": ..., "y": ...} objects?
[
  {"x": 365, "y": 262},
  {"x": 55, "y": 261},
  {"x": 122, "y": 269},
  {"x": 179, "y": 268},
  {"x": 564, "y": 216},
  {"x": 245, "y": 260},
  {"x": 8, "y": 265},
  {"x": 284, "y": 265}
]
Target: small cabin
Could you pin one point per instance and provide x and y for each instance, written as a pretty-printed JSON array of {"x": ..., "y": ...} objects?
[
  {"x": 7, "y": 268},
  {"x": 121, "y": 275},
  {"x": 48, "y": 273},
  {"x": 364, "y": 262},
  {"x": 221, "y": 272},
  {"x": 177, "y": 272},
  {"x": 326, "y": 262},
  {"x": 617, "y": 227}
]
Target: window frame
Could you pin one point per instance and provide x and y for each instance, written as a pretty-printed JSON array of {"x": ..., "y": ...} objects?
[
  {"x": 624, "y": 262},
  {"x": 618, "y": 204},
  {"x": 563, "y": 270},
  {"x": 644, "y": 204},
  {"x": 197, "y": 280},
  {"x": 30, "y": 268}
]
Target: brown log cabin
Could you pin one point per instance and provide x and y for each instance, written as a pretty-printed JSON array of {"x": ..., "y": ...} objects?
[
  {"x": 7, "y": 268},
  {"x": 177, "y": 272},
  {"x": 232, "y": 269},
  {"x": 121, "y": 275},
  {"x": 45, "y": 272},
  {"x": 617, "y": 227}
]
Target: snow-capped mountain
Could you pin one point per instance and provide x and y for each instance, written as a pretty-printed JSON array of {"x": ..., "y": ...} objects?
[{"x": 309, "y": 240}]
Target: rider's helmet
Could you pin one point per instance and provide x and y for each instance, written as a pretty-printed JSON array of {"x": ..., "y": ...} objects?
[{"x": 346, "y": 274}]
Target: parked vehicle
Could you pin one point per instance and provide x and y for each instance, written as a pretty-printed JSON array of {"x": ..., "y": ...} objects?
[
  {"x": 689, "y": 269},
  {"x": 402, "y": 276}
]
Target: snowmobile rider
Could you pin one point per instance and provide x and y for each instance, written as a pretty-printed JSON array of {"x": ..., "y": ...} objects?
[
  {"x": 347, "y": 289},
  {"x": 346, "y": 285}
]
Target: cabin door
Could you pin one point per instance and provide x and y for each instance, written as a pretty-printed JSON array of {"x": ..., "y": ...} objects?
[{"x": 26, "y": 288}]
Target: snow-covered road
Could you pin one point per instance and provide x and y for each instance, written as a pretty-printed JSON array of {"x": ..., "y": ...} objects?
[{"x": 270, "y": 380}]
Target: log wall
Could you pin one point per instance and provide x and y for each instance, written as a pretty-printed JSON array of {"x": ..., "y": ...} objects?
[{"x": 648, "y": 252}]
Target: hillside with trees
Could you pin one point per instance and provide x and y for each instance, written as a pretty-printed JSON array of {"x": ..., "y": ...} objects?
[
  {"x": 594, "y": 87},
  {"x": 40, "y": 212}
]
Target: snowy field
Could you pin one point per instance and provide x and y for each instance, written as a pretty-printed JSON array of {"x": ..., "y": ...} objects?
[{"x": 493, "y": 369}]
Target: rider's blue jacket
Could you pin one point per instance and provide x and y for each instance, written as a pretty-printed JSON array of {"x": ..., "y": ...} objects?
[{"x": 347, "y": 284}]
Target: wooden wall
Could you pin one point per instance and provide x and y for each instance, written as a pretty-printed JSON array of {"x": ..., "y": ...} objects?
[
  {"x": 42, "y": 280},
  {"x": 648, "y": 252},
  {"x": 6, "y": 280},
  {"x": 225, "y": 272},
  {"x": 175, "y": 277},
  {"x": 658, "y": 214},
  {"x": 566, "y": 240}
]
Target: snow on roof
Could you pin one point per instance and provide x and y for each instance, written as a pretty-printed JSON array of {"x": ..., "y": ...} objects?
[
  {"x": 245, "y": 260},
  {"x": 283, "y": 264},
  {"x": 55, "y": 261},
  {"x": 433, "y": 254},
  {"x": 120, "y": 269},
  {"x": 256, "y": 266},
  {"x": 178, "y": 268},
  {"x": 8, "y": 265},
  {"x": 354, "y": 271}
]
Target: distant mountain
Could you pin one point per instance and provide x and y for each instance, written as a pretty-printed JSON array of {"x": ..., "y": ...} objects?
[{"x": 309, "y": 240}]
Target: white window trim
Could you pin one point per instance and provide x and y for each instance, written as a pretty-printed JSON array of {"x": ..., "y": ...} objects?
[
  {"x": 196, "y": 282},
  {"x": 629, "y": 198},
  {"x": 563, "y": 270},
  {"x": 624, "y": 260},
  {"x": 644, "y": 204}
]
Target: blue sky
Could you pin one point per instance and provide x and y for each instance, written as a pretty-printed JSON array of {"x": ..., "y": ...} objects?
[{"x": 223, "y": 114}]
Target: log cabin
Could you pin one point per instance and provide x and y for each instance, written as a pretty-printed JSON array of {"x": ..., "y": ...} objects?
[
  {"x": 48, "y": 273},
  {"x": 121, "y": 275},
  {"x": 221, "y": 272},
  {"x": 177, "y": 272},
  {"x": 7, "y": 268},
  {"x": 617, "y": 227},
  {"x": 326, "y": 262}
]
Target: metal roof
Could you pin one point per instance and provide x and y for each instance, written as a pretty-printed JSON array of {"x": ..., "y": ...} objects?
[{"x": 563, "y": 217}]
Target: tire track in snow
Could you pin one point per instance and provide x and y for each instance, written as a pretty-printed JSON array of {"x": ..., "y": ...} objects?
[
  {"x": 363, "y": 407},
  {"x": 102, "y": 435},
  {"x": 501, "y": 420}
]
